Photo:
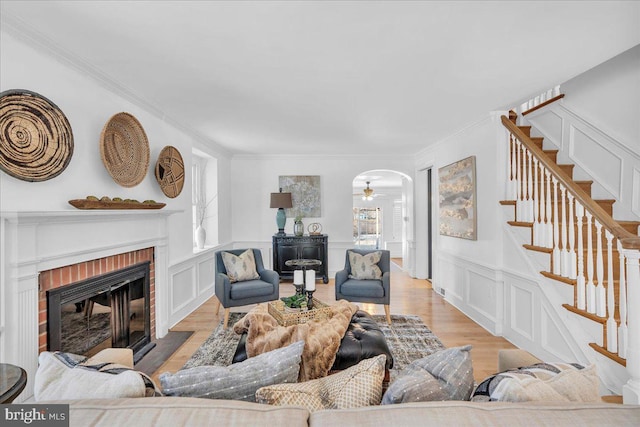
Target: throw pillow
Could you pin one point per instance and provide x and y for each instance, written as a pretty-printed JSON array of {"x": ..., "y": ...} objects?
[
  {"x": 365, "y": 267},
  {"x": 550, "y": 382},
  {"x": 357, "y": 386},
  {"x": 444, "y": 375},
  {"x": 67, "y": 376},
  {"x": 240, "y": 268},
  {"x": 238, "y": 381}
]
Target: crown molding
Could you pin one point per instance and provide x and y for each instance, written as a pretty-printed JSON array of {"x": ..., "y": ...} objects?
[{"x": 21, "y": 30}]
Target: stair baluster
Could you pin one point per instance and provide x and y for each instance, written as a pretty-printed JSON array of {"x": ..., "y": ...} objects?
[
  {"x": 513, "y": 191},
  {"x": 564, "y": 254},
  {"x": 549, "y": 223},
  {"x": 601, "y": 306},
  {"x": 612, "y": 325},
  {"x": 591, "y": 287},
  {"x": 518, "y": 182},
  {"x": 536, "y": 210},
  {"x": 542, "y": 223},
  {"x": 622, "y": 306},
  {"x": 556, "y": 234},
  {"x": 529, "y": 203},
  {"x": 581, "y": 290},
  {"x": 572, "y": 240}
]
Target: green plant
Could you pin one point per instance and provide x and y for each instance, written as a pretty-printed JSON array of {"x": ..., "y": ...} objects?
[{"x": 294, "y": 301}]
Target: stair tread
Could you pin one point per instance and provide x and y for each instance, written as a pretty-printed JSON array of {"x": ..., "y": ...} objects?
[
  {"x": 559, "y": 278},
  {"x": 538, "y": 248},
  {"x": 585, "y": 313},
  {"x": 520, "y": 224},
  {"x": 607, "y": 353}
]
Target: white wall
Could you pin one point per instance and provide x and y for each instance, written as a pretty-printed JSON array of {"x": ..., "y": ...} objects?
[
  {"x": 609, "y": 97},
  {"x": 596, "y": 128},
  {"x": 255, "y": 177},
  {"x": 466, "y": 269},
  {"x": 88, "y": 105},
  {"x": 183, "y": 279}
]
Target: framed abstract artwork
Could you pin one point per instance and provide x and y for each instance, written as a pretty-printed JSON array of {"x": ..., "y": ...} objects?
[
  {"x": 305, "y": 195},
  {"x": 457, "y": 188}
]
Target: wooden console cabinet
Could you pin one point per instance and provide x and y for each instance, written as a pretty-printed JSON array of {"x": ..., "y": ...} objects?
[{"x": 286, "y": 247}]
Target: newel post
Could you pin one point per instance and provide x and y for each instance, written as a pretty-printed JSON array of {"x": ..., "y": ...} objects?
[{"x": 631, "y": 390}]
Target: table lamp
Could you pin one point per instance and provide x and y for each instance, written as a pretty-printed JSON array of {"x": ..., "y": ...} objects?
[{"x": 281, "y": 201}]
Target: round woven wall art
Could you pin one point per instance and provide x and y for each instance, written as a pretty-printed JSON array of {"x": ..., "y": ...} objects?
[
  {"x": 170, "y": 171},
  {"x": 36, "y": 142},
  {"x": 124, "y": 149}
]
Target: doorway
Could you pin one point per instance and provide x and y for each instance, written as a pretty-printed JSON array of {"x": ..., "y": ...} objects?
[{"x": 382, "y": 214}]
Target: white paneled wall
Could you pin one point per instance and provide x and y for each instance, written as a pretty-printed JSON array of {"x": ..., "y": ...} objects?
[
  {"x": 190, "y": 283},
  {"x": 612, "y": 164}
]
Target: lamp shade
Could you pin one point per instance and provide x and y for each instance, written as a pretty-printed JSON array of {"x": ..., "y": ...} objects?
[{"x": 281, "y": 200}]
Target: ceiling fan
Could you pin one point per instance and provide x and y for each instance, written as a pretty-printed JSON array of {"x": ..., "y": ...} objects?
[{"x": 367, "y": 193}]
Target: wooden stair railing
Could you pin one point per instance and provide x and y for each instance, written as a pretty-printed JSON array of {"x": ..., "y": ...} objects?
[{"x": 582, "y": 239}]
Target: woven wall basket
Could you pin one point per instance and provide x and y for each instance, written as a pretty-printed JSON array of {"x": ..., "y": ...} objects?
[
  {"x": 124, "y": 149},
  {"x": 170, "y": 171},
  {"x": 36, "y": 142}
]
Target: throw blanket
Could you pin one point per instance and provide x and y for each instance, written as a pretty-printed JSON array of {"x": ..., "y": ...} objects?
[
  {"x": 66, "y": 376},
  {"x": 322, "y": 338}
]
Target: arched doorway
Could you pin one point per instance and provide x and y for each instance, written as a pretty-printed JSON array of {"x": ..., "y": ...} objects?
[{"x": 383, "y": 213}]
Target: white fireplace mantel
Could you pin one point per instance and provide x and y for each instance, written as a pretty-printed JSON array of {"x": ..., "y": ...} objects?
[{"x": 37, "y": 241}]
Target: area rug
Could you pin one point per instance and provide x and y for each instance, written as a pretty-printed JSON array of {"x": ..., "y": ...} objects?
[{"x": 408, "y": 339}]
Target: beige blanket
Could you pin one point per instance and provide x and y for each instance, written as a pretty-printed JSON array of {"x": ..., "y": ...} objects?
[{"x": 322, "y": 338}]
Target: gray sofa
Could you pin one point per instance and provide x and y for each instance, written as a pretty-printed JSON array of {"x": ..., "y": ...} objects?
[{"x": 185, "y": 411}]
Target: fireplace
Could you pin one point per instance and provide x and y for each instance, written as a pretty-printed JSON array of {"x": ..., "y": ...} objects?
[{"x": 108, "y": 310}]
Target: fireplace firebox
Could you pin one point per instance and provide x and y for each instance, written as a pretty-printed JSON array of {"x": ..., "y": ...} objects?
[{"x": 109, "y": 310}]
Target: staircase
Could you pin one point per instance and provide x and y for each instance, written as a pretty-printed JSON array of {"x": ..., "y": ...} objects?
[{"x": 587, "y": 248}]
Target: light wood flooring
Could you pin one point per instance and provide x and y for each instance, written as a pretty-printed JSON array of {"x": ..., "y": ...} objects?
[{"x": 408, "y": 296}]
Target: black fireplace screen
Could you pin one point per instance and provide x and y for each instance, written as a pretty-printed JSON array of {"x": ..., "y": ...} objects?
[{"x": 110, "y": 310}]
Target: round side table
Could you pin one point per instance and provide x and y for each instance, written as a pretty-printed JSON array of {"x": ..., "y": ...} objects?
[{"x": 12, "y": 382}]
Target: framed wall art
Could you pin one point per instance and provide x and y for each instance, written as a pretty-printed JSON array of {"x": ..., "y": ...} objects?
[
  {"x": 457, "y": 188},
  {"x": 305, "y": 195}
]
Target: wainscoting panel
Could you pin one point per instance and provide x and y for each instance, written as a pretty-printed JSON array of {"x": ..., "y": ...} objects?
[
  {"x": 471, "y": 287},
  {"x": 450, "y": 278},
  {"x": 552, "y": 338},
  {"x": 521, "y": 306},
  {"x": 481, "y": 294},
  {"x": 206, "y": 275},
  {"x": 183, "y": 289},
  {"x": 595, "y": 159},
  {"x": 191, "y": 283}
]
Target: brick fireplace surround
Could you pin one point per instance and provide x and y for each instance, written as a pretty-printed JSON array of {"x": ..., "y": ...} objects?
[
  {"x": 43, "y": 250},
  {"x": 62, "y": 276}
]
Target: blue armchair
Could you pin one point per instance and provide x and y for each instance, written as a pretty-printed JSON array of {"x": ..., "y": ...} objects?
[
  {"x": 266, "y": 288},
  {"x": 369, "y": 290}
]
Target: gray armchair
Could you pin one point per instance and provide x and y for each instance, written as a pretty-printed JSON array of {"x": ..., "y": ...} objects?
[
  {"x": 370, "y": 291},
  {"x": 266, "y": 288}
]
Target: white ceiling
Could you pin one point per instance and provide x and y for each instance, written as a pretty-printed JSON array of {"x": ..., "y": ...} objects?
[{"x": 328, "y": 77}]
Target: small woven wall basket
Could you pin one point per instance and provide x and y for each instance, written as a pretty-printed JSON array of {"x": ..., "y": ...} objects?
[
  {"x": 170, "y": 171},
  {"x": 36, "y": 142},
  {"x": 124, "y": 149}
]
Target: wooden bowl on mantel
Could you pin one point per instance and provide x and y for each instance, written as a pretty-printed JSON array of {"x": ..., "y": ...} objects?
[{"x": 99, "y": 204}]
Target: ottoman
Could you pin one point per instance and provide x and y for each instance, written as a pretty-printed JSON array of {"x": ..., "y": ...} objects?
[{"x": 363, "y": 340}]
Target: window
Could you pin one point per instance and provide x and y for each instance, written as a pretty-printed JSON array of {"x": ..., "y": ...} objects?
[
  {"x": 204, "y": 196},
  {"x": 367, "y": 224}
]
